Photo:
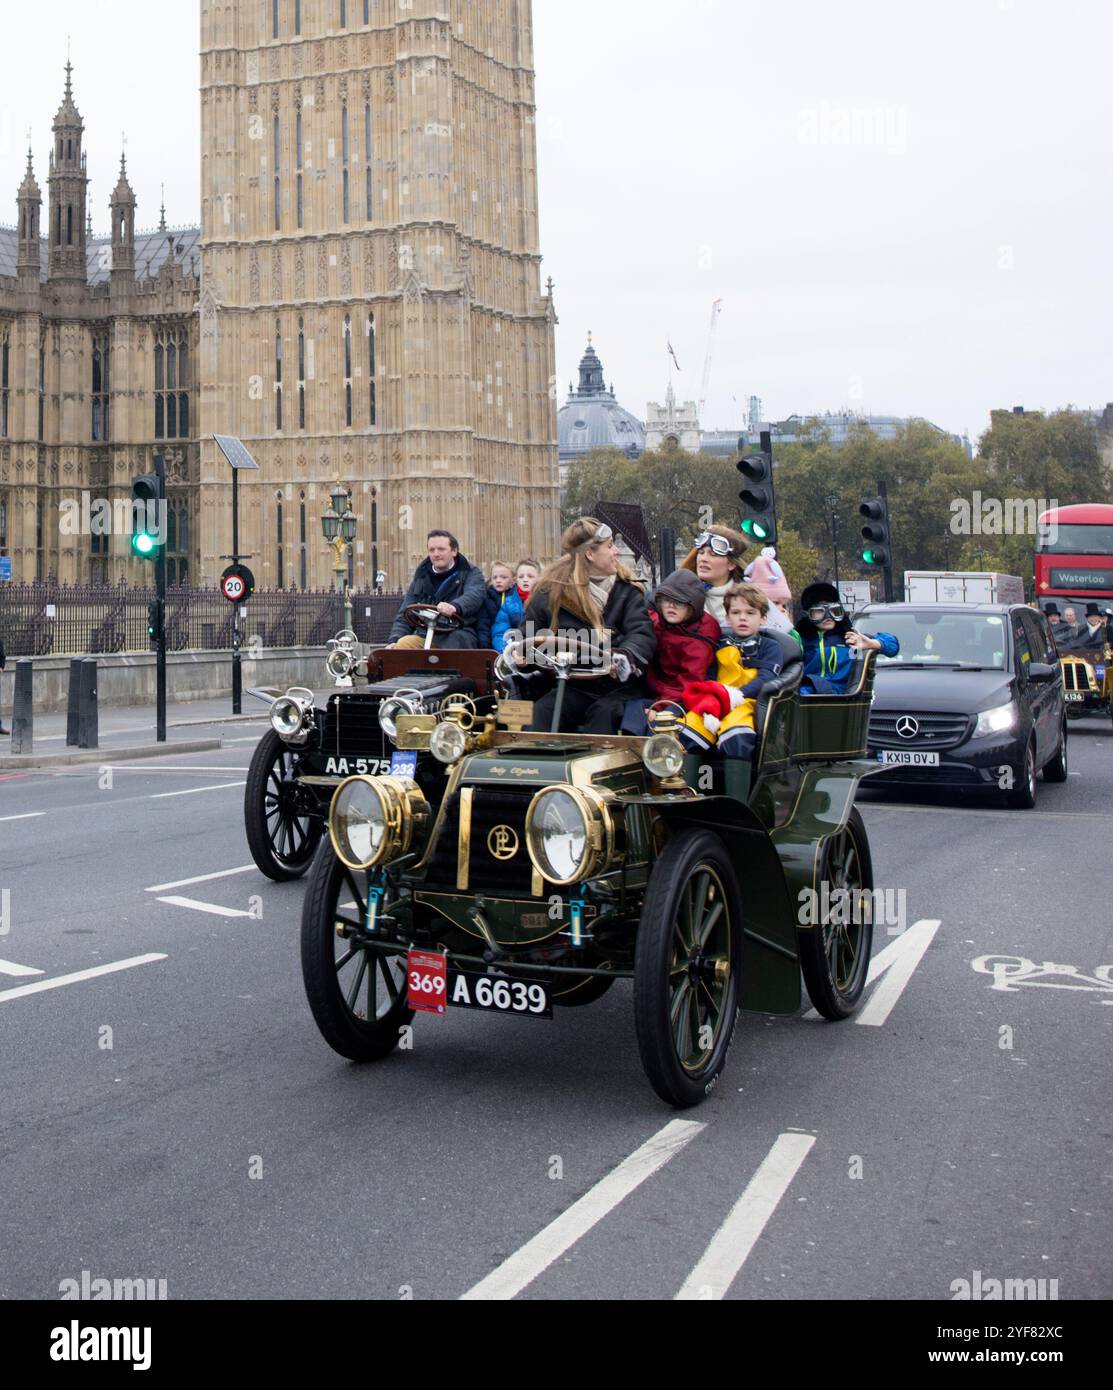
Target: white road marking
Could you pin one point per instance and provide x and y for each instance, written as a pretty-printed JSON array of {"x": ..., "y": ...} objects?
[
  {"x": 8, "y": 967},
  {"x": 900, "y": 959},
  {"x": 201, "y": 878},
  {"x": 20, "y": 990},
  {"x": 731, "y": 1244},
  {"x": 212, "y": 908},
  {"x": 193, "y": 791},
  {"x": 28, "y": 815},
  {"x": 136, "y": 767},
  {"x": 526, "y": 1264}
]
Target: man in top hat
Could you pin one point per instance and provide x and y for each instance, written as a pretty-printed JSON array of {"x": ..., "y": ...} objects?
[{"x": 1095, "y": 633}]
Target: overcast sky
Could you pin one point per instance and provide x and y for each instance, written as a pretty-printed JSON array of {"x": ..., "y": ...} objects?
[{"x": 903, "y": 204}]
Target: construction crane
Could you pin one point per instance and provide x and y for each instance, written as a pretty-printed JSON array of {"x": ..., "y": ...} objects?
[{"x": 716, "y": 310}]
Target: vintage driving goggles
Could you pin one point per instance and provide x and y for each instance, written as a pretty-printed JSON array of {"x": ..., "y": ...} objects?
[
  {"x": 604, "y": 533},
  {"x": 718, "y": 545},
  {"x": 822, "y": 611}
]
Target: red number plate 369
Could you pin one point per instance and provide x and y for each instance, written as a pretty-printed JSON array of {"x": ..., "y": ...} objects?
[{"x": 427, "y": 982}]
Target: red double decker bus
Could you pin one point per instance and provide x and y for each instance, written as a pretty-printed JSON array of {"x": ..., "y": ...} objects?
[{"x": 1074, "y": 558}]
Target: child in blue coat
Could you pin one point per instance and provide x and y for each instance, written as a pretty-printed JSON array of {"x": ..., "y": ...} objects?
[{"x": 831, "y": 645}]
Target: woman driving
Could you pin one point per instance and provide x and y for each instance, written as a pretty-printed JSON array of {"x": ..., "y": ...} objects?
[
  {"x": 718, "y": 562},
  {"x": 591, "y": 598}
]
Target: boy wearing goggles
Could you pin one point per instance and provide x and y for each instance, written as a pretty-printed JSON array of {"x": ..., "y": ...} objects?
[{"x": 831, "y": 644}]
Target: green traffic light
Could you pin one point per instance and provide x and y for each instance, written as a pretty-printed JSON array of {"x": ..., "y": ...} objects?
[
  {"x": 755, "y": 530},
  {"x": 143, "y": 543},
  {"x": 867, "y": 555}
]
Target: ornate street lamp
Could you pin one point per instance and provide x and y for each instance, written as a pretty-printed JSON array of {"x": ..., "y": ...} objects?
[{"x": 339, "y": 525}]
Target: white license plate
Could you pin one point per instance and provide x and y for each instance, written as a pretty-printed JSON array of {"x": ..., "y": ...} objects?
[
  {"x": 907, "y": 758},
  {"x": 1075, "y": 697}
]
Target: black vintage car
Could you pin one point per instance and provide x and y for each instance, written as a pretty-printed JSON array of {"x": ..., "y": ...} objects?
[
  {"x": 319, "y": 737},
  {"x": 974, "y": 700}
]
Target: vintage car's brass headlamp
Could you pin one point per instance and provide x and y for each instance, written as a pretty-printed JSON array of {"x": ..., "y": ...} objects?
[
  {"x": 663, "y": 754},
  {"x": 458, "y": 731},
  {"x": 376, "y": 820},
  {"x": 571, "y": 834},
  {"x": 292, "y": 716}
]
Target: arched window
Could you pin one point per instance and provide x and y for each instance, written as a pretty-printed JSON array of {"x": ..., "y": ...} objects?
[
  {"x": 183, "y": 417},
  {"x": 347, "y": 197},
  {"x": 171, "y": 366},
  {"x": 367, "y": 11},
  {"x": 171, "y": 528},
  {"x": 160, "y": 426},
  {"x": 277, "y": 177},
  {"x": 302, "y": 561},
  {"x": 278, "y": 374},
  {"x": 5, "y": 368},
  {"x": 348, "y": 370},
  {"x": 58, "y": 225},
  {"x": 42, "y": 393},
  {"x": 278, "y": 532},
  {"x": 274, "y": 10},
  {"x": 301, "y": 374},
  {"x": 298, "y": 140},
  {"x": 159, "y": 373},
  {"x": 183, "y": 366},
  {"x": 367, "y": 131},
  {"x": 345, "y": 148},
  {"x": 343, "y": 14},
  {"x": 69, "y": 224},
  {"x": 297, "y": 16},
  {"x": 171, "y": 417}
]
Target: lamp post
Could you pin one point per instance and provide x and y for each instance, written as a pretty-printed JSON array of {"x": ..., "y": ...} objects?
[
  {"x": 339, "y": 527},
  {"x": 833, "y": 505}
]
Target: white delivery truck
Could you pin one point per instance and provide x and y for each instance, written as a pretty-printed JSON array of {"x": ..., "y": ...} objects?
[{"x": 941, "y": 586}]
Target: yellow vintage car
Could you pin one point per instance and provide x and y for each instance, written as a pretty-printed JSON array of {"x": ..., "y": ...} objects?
[{"x": 1088, "y": 681}]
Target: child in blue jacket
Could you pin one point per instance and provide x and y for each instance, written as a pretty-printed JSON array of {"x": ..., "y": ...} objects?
[{"x": 831, "y": 644}]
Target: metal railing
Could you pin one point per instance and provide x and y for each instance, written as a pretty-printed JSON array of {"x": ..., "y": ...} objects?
[{"x": 70, "y": 620}]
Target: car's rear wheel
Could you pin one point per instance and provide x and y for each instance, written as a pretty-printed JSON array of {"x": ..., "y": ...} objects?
[
  {"x": 357, "y": 995},
  {"x": 1022, "y": 797},
  {"x": 687, "y": 967},
  {"x": 1058, "y": 770},
  {"x": 281, "y": 837},
  {"x": 835, "y": 953}
]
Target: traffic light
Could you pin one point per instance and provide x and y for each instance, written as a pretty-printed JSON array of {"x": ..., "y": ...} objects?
[
  {"x": 877, "y": 551},
  {"x": 759, "y": 502},
  {"x": 154, "y": 620},
  {"x": 147, "y": 538}
]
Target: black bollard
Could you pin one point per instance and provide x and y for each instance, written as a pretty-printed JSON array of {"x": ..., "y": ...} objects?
[
  {"x": 73, "y": 702},
  {"x": 23, "y": 707},
  {"x": 87, "y": 720}
]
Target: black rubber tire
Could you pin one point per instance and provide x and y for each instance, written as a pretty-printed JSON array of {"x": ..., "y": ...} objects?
[
  {"x": 658, "y": 949},
  {"x": 273, "y": 760},
  {"x": 580, "y": 993},
  {"x": 833, "y": 1000},
  {"x": 344, "y": 1028},
  {"x": 1058, "y": 769},
  {"x": 1023, "y": 795}
]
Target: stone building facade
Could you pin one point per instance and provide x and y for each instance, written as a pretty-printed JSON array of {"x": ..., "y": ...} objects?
[
  {"x": 371, "y": 308},
  {"x": 361, "y": 303},
  {"x": 98, "y": 341}
]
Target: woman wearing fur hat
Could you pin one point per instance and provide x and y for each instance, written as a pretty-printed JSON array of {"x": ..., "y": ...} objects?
[
  {"x": 592, "y": 597},
  {"x": 717, "y": 561},
  {"x": 831, "y": 644}
]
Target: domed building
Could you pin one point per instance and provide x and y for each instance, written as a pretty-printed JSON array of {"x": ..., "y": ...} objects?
[{"x": 593, "y": 418}]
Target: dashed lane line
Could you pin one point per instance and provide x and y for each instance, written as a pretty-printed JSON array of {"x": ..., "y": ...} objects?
[
  {"x": 8, "y": 967},
  {"x": 214, "y": 909},
  {"x": 897, "y": 962},
  {"x": 28, "y": 815},
  {"x": 731, "y": 1244},
  {"x": 200, "y": 878},
  {"x": 6, "y": 995},
  {"x": 523, "y": 1267},
  {"x": 195, "y": 791}
]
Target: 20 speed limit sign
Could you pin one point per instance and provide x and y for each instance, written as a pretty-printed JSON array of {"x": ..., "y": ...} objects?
[{"x": 237, "y": 583}]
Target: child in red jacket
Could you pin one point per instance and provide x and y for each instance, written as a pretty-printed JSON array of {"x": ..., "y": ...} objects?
[{"x": 687, "y": 639}]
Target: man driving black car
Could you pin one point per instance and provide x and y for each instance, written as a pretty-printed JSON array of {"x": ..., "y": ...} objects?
[{"x": 448, "y": 583}]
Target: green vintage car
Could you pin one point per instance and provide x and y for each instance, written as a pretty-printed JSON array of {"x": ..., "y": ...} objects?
[{"x": 511, "y": 872}]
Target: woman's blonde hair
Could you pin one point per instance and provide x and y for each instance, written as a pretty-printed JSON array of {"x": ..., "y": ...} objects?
[
  {"x": 567, "y": 581},
  {"x": 737, "y": 559}
]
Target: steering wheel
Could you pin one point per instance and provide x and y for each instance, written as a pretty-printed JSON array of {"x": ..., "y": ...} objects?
[
  {"x": 424, "y": 616},
  {"x": 556, "y": 655}
]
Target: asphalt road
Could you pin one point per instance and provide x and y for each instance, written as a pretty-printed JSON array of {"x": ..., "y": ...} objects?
[{"x": 213, "y": 1140}]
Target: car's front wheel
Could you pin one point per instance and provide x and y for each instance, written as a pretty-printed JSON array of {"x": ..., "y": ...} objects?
[
  {"x": 358, "y": 995},
  {"x": 1022, "y": 797},
  {"x": 281, "y": 837},
  {"x": 687, "y": 965}
]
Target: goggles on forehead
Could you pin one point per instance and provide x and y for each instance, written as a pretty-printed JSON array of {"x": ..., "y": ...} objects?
[
  {"x": 718, "y": 545},
  {"x": 604, "y": 533},
  {"x": 822, "y": 611}
]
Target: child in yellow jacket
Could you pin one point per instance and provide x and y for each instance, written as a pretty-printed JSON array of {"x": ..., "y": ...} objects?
[{"x": 721, "y": 711}]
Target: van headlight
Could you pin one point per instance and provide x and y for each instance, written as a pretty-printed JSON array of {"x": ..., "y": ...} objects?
[
  {"x": 570, "y": 834},
  {"x": 375, "y": 820},
  {"x": 292, "y": 716},
  {"x": 996, "y": 721}
]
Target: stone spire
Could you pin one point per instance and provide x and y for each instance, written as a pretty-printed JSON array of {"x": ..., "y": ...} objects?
[
  {"x": 162, "y": 211},
  {"x": 69, "y": 187},
  {"x": 30, "y": 201},
  {"x": 122, "y": 205}
]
